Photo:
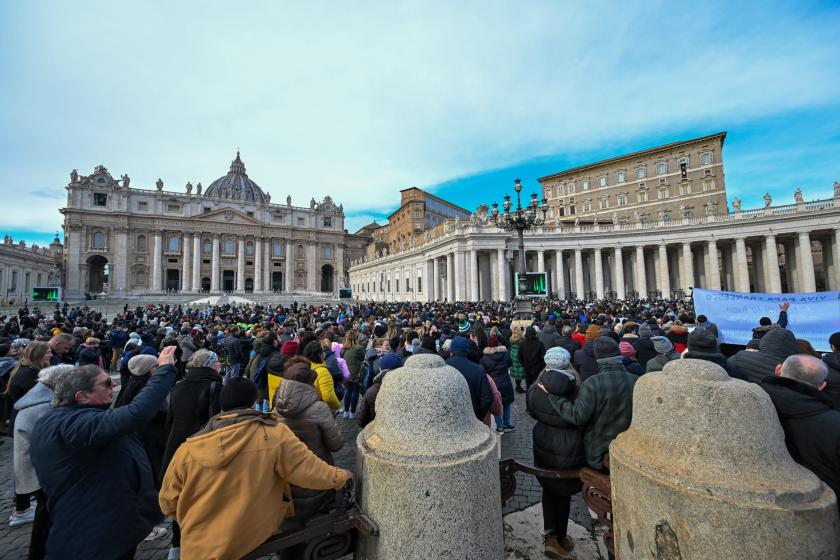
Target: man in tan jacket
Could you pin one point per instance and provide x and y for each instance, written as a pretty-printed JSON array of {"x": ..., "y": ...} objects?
[{"x": 239, "y": 449}]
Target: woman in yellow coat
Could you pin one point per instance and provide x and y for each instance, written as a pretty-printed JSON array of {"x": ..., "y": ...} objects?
[{"x": 315, "y": 354}]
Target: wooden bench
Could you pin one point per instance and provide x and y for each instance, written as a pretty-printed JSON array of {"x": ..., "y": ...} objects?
[
  {"x": 596, "y": 490},
  {"x": 325, "y": 537}
]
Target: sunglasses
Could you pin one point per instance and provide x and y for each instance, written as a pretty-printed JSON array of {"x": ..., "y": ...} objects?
[{"x": 108, "y": 383}]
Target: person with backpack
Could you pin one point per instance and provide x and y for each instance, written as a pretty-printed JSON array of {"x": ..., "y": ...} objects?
[
  {"x": 257, "y": 369},
  {"x": 354, "y": 356},
  {"x": 231, "y": 354},
  {"x": 370, "y": 367},
  {"x": 314, "y": 352},
  {"x": 192, "y": 402}
]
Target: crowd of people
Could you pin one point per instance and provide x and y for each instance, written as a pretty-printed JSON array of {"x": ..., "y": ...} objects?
[{"x": 171, "y": 411}]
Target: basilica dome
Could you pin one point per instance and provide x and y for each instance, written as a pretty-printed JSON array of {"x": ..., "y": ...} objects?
[{"x": 236, "y": 185}]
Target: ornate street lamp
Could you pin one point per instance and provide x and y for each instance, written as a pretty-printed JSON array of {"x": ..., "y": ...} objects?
[{"x": 520, "y": 220}]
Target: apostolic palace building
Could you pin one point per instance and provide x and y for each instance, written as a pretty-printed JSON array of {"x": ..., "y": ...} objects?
[
  {"x": 229, "y": 237},
  {"x": 646, "y": 224}
]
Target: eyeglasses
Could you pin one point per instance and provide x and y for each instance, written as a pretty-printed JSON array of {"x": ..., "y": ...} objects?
[{"x": 108, "y": 383}]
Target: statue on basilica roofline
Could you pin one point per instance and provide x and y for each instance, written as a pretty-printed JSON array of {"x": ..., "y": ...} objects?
[
  {"x": 836, "y": 189},
  {"x": 126, "y": 180},
  {"x": 198, "y": 188},
  {"x": 736, "y": 204},
  {"x": 189, "y": 187},
  {"x": 159, "y": 184},
  {"x": 797, "y": 196},
  {"x": 288, "y": 200},
  {"x": 267, "y": 198},
  {"x": 768, "y": 200},
  {"x": 312, "y": 204},
  {"x": 74, "y": 176}
]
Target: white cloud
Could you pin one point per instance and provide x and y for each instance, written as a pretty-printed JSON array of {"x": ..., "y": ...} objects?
[{"x": 359, "y": 100}]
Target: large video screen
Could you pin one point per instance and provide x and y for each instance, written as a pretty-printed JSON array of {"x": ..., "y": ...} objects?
[
  {"x": 345, "y": 293},
  {"x": 46, "y": 293},
  {"x": 535, "y": 284}
]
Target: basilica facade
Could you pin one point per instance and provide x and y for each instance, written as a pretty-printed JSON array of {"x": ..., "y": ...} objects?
[{"x": 227, "y": 238}]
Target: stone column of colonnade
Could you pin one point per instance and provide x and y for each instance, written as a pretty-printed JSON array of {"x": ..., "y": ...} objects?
[
  {"x": 474, "y": 273},
  {"x": 450, "y": 276},
  {"x": 214, "y": 277},
  {"x": 196, "y": 266},
  {"x": 240, "y": 265},
  {"x": 561, "y": 275},
  {"x": 258, "y": 264},
  {"x": 157, "y": 272},
  {"x": 619, "y": 273},
  {"x": 186, "y": 278},
  {"x": 806, "y": 263}
]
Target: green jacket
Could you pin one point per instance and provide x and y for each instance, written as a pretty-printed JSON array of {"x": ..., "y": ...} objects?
[
  {"x": 516, "y": 369},
  {"x": 354, "y": 356},
  {"x": 604, "y": 408}
]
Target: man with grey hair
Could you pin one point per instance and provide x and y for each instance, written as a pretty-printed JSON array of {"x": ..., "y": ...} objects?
[
  {"x": 60, "y": 345},
  {"x": 100, "y": 491},
  {"x": 808, "y": 416},
  {"x": 32, "y": 407}
]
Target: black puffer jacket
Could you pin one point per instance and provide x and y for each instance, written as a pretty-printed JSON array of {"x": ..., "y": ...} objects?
[
  {"x": 832, "y": 360},
  {"x": 584, "y": 361},
  {"x": 496, "y": 362},
  {"x": 153, "y": 434},
  {"x": 811, "y": 425},
  {"x": 645, "y": 351},
  {"x": 774, "y": 348},
  {"x": 531, "y": 352},
  {"x": 549, "y": 336},
  {"x": 557, "y": 444},
  {"x": 569, "y": 344},
  {"x": 300, "y": 408}
]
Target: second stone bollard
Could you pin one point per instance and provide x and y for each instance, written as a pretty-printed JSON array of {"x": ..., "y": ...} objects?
[
  {"x": 703, "y": 473},
  {"x": 428, "y": 470}
]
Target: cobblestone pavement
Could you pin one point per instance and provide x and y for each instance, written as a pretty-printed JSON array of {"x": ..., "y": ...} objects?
[{"x": 14, "y": 541}]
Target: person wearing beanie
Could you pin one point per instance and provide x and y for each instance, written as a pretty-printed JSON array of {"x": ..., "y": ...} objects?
[
  {"x": 481, "y": 395},
  {"x": 557, "y": 444},
  {"x": 604, "y": 404},
  {"x": 496, "y": 361},
  {"x": 90, "y": 353},
  {"x": 832, "y": 360},
  {"x": 765, "y": 325},
  {"x": 628, "y": 358},
  {"x": 241, "y": 463},
  {"x": 192, "y": 402},
  {"x": 314, "y": 352},
  {"x": 773, "y": 349},
  {"x": 665, "y": 353},
  {"x": 366, "y": 411},
  {"x": 644, "y": 345},
  {"x": 584, "y": 359},
  {"x": 703, "y": 345},
  {"x": 531, "y": 352}
]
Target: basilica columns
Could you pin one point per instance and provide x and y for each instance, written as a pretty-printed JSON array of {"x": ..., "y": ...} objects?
[
  {"x": 504, "y": 278},
  {"x": 474, "y": 272},
  {"x": 560, "y": 288},
  {"x": 157, "y": 273},
  {"x": 687, "y": 274},
  {"x": 599, "y": 274},
  {"x": 436, "y": 280},
  {"x": 580, "y": 292},
  {"x": 290, "y": 271},
  {"x": 196, "y": 268},
  {"x": 806, "y": 263},
  {"x": 713, "y": 266},
  {"x": 742, "y": 273},
  {"x": 772, "y": 276},
  {"x": 258, "y": 265},
  {"x": 540, "y": 261},
  {"x": 450, "y": 276},
  {"x": 214, "y": 277},
  {"x": 641, "y": 275},
  {"x": 186, "y": 243},
  {"x": 460, "y": 276},
  {"x": 664, "y": 281},
  {"x": 121, "y": 264},
  {"x": 240, "y": 264},
  {"x": 619, "y": 273}
]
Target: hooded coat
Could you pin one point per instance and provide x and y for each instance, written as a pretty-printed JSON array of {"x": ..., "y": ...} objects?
[
  {"x": 549, "y": 336},
  {"x": 585, "y": 362},
  {"x": 557, "y": 444},
  {"x": 496, "y": 362},
  {"x": 30, "y": 408},
  {"x": 354, "y": 356},
  {"x": 811, "y": 424},
  {"x": 531, "y": 352},
  {"x": 238, "y": 449},
  {"x": 310, "y": 419},
  {"x": 192, "y": 402},
  {"x": 832, "y": 389},
  {"x": 96, "y": 474},
  {"x": 773, "y": 349},
  {"x": 644, "y": 346},
  {"x": 153, "y": 434},
  {"x": 481, "y": 395}
]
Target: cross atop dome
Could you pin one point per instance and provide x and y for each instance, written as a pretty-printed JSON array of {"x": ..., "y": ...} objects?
[{"x": 236, "y": 166}]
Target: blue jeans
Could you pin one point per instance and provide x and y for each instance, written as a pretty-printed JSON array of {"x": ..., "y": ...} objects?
[
  {"x": 503, "y": 421},
  {"x": 351, "y": 397},
  {"x": 231, "y": 372}
]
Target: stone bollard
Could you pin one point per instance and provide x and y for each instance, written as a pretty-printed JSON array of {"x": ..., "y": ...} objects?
[
  {"x": 703, "y": 473},
  {"x": 428, "y": 469}
]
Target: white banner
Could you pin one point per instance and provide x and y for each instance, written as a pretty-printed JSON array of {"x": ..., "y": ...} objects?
[{"x": 811, "y": 316}]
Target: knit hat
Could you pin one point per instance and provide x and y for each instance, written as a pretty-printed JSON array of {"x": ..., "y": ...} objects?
[
  {"x": 300, "y": 372},
  {"x": 141, "y": 365},
  {"x": 428, "y": 343},
  {"x": 661, "y": 344},
  {"x": 464, "y": 326},
  {"x": 492, "y": 341},
  {"x": 379, "y": 330},
  {"x": 626, "y": 349},
  {"x": 240, "y": 392},
  {"x": 593, "y": 332},
  {"x": 645, "y": 330},
  {"x": 557, "y": 358},
  {"x": 390, "y": 361},
  {"x": 834, "y": 340},
  {"x": 289, "y": 348},
  {"x": 701, "y": 340},
  {"x": 606, "y": 347},
  {"x": 460, "y": 343},
  {"x": 415, "y": 346}
]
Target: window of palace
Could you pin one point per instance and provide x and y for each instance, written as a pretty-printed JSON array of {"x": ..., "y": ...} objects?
[
  {"x": 604, "y": 203},
  {"x": 707, "y": 173},
  {"x": 708, "y": 185},
  {"x": 141, "y": 244},
  {"x": 622, "y": 199},
  {"x": 229, "y": 247},
  {"x": 661, "y": 167},
  {"x": 642, "y": 196},
  {"x": 587, "y": 206},
  {"x": 98, "y": 240},
  {"x": 173, "y": 244},
  {"x": 685, "y": 189},
  {"x": 249, "y": 248},
  {"x": 584, "y": 185},
  {"x": 328, "y": 252},
  {"x": 571, "y": 188},
  {"x": 277, "y": 249},
  {"x": 327, "y": 221},
  {"x": 683, "y": 160},
  {"x": 100, "y": 199},
  {"x": 706, "y": 158},
  {"x": 175, "y": 208},
  {"x": 602, "y": 180},
  {"x": 641, "y": 172},
  {"x": 206, "y": 247},
  {"x": 300, "y": 220},
  {"x": 621, "y": 176},
  {"x": 142, "y": 205},
  {"x": 663, "y": 193}
]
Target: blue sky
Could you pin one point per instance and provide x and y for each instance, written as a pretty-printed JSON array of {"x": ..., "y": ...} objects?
[{"x": 360, "y": 100}]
